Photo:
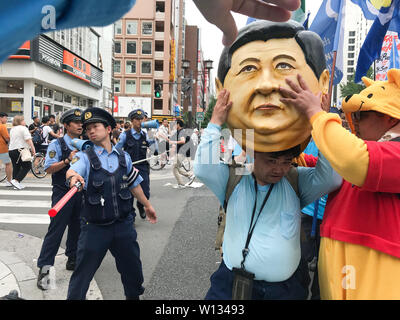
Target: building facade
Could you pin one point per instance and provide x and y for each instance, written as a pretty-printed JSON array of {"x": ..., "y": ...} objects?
[
  {"x": 147, "y": 47},
  {"x": 51, "y": 74}
]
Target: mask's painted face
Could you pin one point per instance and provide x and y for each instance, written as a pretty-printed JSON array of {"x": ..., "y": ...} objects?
[{"x": 258, "y": 69}]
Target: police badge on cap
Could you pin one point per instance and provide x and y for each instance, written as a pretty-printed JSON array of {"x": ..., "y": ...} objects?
[
  {"x": 71, "y": 115},
  {"x": 93, "y": 115},
  {"x": 136, "y": 114}
]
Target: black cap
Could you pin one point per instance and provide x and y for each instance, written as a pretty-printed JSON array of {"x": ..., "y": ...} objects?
[
  {"x": 71, "y": 115},
  {"x": 136, "y": 114},
  {"x": 3, "y": 114},
  {"x": 93, "y": 115}
]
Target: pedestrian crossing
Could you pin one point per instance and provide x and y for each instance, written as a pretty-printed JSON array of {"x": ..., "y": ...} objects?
[
  {"x": 31, "y": 205},
  {"x": 26, "y": 206}
]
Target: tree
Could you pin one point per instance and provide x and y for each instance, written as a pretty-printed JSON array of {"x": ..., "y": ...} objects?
[{"x": 353, "y": 88}]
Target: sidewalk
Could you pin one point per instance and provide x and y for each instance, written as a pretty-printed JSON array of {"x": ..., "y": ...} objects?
[{"x": 18, "y": 271}]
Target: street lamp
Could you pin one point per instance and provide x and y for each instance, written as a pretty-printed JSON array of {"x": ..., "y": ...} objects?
[
  {"x": 188, "y": 87},
  {"x": 207, "y": 66}
]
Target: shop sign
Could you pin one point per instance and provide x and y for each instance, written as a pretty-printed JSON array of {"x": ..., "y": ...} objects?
[{"x": 16, "y": 106}]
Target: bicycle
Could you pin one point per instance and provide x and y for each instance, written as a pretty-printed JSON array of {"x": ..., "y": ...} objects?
[
  {"x": 37, "y": 166},
  {"x": 158, "y": 162}
]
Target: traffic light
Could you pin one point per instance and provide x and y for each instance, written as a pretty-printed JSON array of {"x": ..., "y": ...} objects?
[{"x": 157, "y": 91}]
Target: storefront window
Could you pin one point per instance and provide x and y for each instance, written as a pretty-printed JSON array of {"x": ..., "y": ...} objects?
[
  {"x": 11, "y": 86},
  {"x": 83, "y": 102},
  {"x": 67, "y": 98},
  {"x": 38, "y": 90},
  {"x": 48, "y": 93},
  {"x": 58, "y": 96},
  {"x": 75, "y": 101},
  {"x": 11, "y": 106},
  {"x": 37, "y": 109}
]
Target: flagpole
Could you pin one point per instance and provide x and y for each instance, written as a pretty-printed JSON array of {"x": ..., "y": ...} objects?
[{"x": 332, "y": 76}]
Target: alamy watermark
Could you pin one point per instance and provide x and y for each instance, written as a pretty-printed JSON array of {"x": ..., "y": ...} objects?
[{"x": 49, "y": 19}]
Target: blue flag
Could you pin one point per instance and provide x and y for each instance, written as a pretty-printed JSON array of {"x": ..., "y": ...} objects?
[
  {"x": 386, "y": 18},
  {"x": 328, "y": 24},
  {"x": 371, "y": 10}
]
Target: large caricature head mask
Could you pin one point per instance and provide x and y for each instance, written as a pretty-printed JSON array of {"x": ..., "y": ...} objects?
[{"x": 254, "y": 67}]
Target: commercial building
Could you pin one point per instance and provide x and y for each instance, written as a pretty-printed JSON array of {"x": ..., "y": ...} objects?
[
  {"x": 53, "y": 73},
  {"x": 148, "y": 47}
]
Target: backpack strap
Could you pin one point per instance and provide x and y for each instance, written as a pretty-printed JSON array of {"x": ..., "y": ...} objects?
[{"x": 233, "y": 181}]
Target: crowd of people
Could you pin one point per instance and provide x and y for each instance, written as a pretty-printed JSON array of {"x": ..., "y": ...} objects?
[{"x": 21, "y": 141}]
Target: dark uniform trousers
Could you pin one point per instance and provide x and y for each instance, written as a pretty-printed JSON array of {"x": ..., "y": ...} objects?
[
  {"x": 137, "y": 149},
  {"x": 107, "y": 224},
  {"x": 67, "y": 216}
]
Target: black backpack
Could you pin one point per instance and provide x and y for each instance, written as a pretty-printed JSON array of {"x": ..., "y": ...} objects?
[{"x": 37, "y": 137}]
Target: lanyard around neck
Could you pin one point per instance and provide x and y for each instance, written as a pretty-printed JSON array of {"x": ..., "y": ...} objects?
[{"x": 246, "y": 250}]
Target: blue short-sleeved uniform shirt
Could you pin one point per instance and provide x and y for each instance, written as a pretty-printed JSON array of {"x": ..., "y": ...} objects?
[
  {"x": 109, "y": 161},
  {"x": 54, "y": 151}
]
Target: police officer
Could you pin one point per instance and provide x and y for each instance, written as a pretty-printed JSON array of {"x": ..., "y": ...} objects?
[
  {"x": 135, "y": 142},
  {"x": 58, "y": 159},
  {"x": 109, "y": 181}
]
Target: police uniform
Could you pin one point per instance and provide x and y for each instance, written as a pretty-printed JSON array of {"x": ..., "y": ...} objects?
[
  {"x": 107, "y": 215},
  {"x": 136, "y": 144},
  {"x": 59, "y": 150}
]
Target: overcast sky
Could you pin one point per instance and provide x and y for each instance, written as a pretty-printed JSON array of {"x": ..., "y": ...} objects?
[{"x": 211, "y": 36}]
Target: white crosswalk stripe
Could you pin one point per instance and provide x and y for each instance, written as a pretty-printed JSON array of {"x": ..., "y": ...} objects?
[
  {"x": 30, "y": 205},
  {"x": 26, "y": 206}
]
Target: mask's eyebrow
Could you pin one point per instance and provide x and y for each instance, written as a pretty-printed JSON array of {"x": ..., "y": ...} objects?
[
  {"x": 249, "y": 60},
  {"x": 284, "y": 56}
]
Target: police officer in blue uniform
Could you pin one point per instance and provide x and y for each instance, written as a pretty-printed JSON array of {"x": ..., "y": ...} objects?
[
  {"x": 58, "y": 159},
  {"x": 109, "y": 182},
  {"x": 135, "y": 142}
]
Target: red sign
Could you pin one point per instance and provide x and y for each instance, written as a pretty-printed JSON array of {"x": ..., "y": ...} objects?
[
  {"x": 115, "y": 104},
  {"x": 76, "y": 67}
]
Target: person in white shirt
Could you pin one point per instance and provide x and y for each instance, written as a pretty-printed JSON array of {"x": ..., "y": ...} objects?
[
  {"x": 47, "y": 131},
  {"x": 19, "y": 138},
  {"x": 162, "y": 136}
]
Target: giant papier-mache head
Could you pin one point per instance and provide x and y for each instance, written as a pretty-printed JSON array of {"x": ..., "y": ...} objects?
[{"x": 254, "y": 67}]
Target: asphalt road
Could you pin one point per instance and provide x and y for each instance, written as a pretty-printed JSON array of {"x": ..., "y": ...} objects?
[{"x": 177, "y": 253}]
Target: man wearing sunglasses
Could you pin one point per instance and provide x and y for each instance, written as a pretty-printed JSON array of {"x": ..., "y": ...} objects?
[{"x": 359, "y": 256}]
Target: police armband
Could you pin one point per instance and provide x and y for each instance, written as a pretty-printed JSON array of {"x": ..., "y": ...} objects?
[{"x": 132, "y": 176}]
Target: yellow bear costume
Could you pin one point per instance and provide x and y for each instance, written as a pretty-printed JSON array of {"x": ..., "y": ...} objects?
[{"x": 360, "y": 235}]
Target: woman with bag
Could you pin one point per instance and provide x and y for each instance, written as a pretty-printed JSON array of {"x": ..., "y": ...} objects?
[{"x": 20, "y": 150}]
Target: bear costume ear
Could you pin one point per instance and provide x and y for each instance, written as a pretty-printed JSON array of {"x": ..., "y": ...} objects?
[
  {"x": 367, "y": 81},
  {"x": 394, "y": 76}
]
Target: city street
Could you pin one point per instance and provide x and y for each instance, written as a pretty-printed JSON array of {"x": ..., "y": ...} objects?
[{"x": 177, "y": 253}]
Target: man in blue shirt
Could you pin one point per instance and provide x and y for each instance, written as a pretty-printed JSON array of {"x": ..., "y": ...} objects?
[
  {"x": 271, "y": 251},
  {"x": 109, "y": 180},
  {"x": 135, "y": 142},
  {"x": 58, "y": 158}
]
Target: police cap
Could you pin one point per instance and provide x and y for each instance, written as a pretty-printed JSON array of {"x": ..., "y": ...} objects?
[
  {"x": 71, "y": 115},
  {"x": 136, "y": 114},
  {"x": 94, "y": 114}
]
